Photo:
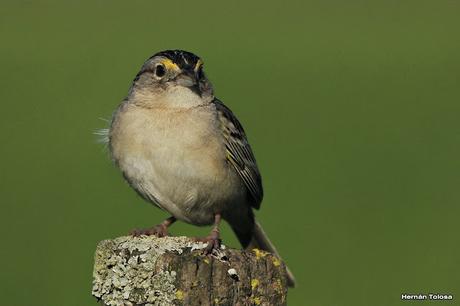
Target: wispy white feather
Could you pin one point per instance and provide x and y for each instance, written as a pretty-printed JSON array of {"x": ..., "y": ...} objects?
[{"x": 102, "y": 134}]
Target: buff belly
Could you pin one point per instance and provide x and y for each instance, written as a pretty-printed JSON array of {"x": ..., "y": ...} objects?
[{"x": 183, "y": 172}]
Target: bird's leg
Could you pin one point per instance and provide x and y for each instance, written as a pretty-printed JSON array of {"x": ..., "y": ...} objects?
[
  {"x": 160, "y": 230},
  {"x": 213, "y": 239}
]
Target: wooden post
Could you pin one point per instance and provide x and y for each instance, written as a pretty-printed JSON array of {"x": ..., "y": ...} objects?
[{"x": 174, "y": 271}]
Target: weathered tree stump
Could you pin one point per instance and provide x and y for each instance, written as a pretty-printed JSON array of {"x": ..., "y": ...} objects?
[{"x": 174, "y": 271}]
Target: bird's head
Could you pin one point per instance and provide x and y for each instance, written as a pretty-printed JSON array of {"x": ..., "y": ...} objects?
[{"x": 172, "y": 70}]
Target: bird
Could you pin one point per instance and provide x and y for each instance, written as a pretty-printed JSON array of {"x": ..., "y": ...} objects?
[{"x": 183, "y": 150}]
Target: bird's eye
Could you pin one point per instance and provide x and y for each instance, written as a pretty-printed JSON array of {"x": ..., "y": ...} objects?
[{"x": 160, "y": 71}]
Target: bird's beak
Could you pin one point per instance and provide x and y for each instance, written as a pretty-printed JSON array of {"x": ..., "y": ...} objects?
[{"x": 187, "y": 79}]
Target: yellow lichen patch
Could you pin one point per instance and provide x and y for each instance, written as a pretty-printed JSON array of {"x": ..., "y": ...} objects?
[
  {"x": 254, "y": 283},
  {"x": 206, "y": 261},
  {"x": 216, "y": 301},
  {"x": 256, "y": 300},
  {"x": 180, "y": 295},
  {"x": 278, "y": 286},
  {"x": 276, "y": 262},
  {"x": 259, "y": 253}
]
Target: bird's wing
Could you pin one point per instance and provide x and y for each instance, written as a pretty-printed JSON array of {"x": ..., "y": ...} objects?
[{"x": 239, "y": 153}]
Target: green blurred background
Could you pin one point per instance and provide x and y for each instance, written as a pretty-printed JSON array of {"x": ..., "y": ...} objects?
[{"x": 352, "y": 109}]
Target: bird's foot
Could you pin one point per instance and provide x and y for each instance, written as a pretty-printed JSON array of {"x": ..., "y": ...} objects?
[
  {"x": 159, "y": 230},
  {"x": 213, "y": 240}
]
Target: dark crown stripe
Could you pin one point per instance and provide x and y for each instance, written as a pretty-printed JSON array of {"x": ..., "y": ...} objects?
[{"x": 182, "y": 58}]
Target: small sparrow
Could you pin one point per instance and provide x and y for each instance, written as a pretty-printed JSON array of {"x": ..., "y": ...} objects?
[{"x": 183, "y": 150}]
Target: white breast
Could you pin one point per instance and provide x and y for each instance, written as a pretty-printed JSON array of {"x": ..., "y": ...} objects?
[{"x": 176, "y": 157}]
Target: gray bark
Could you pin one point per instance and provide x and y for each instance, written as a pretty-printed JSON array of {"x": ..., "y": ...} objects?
[{"x": 174, "y": 271}]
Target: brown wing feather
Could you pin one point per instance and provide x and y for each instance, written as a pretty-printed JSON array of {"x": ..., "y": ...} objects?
[{"x": 239, "y": 153}]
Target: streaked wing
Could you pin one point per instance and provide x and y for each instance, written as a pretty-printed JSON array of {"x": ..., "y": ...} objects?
[{"x": 239, "y": 152}]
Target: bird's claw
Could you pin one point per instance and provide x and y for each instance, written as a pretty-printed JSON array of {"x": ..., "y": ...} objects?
[
  {"x": 213, "y": 245},
  {"x": 158, "y": 231},
  {"x": 213, "y": 240}
]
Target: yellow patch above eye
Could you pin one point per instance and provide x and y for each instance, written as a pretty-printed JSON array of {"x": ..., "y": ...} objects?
[
  {"x": 169, "y": 64},
  {"x": 199, "y": 63}
]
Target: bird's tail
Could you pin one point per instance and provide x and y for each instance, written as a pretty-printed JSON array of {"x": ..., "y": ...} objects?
[{"x": 259, "y": 240}]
